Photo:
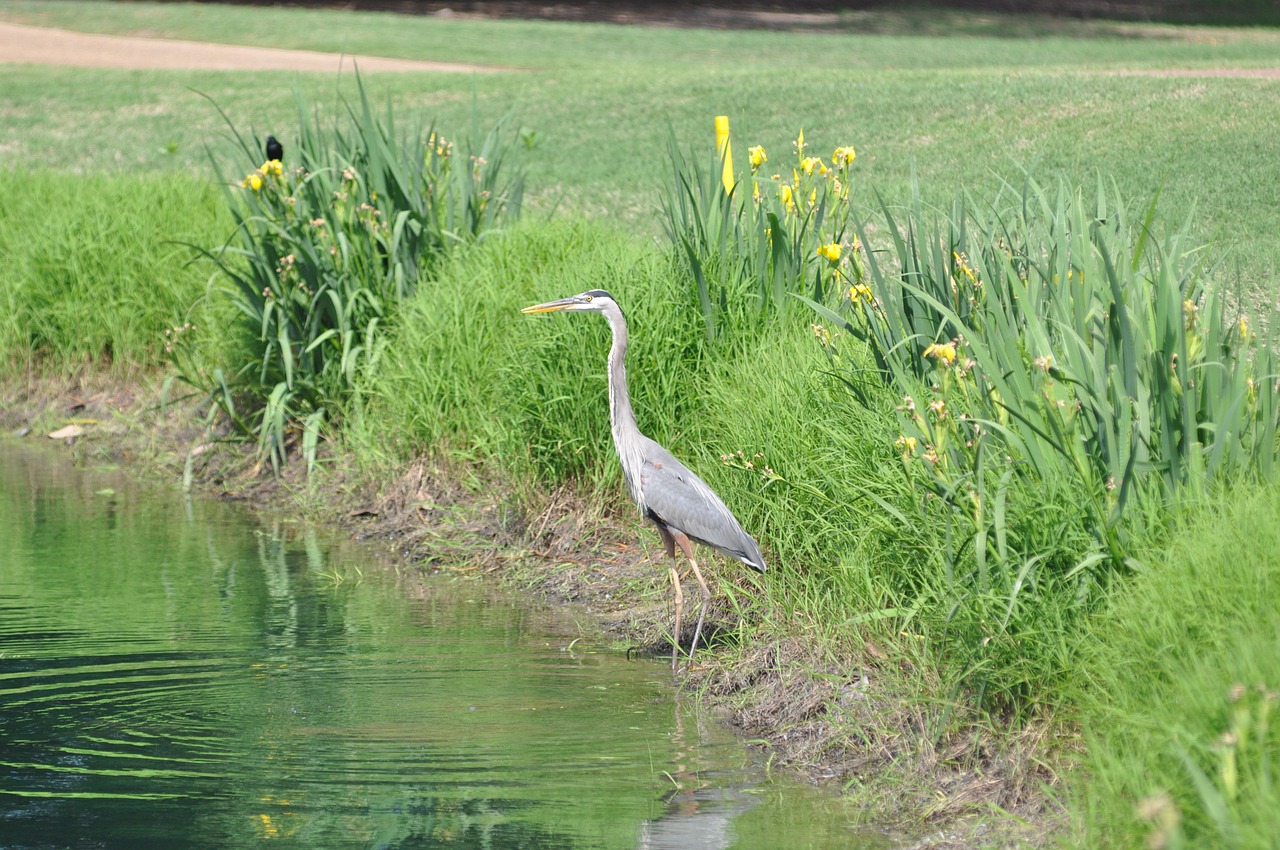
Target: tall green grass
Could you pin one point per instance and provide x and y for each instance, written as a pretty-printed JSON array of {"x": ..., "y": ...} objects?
[
  {"x": 1089, "y": 341},
  {"x": 469, "y": 377},
  {"x": 1060, "y": 346},
  {"x": 95, "y": 269},
  {"x": 1069, "y": 305},
  {"x": 1179, "y": 684}
]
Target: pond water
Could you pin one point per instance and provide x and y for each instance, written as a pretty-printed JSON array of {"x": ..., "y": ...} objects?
[{"x": 179, "y": 673}]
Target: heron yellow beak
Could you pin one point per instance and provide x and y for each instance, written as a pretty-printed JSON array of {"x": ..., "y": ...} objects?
[{"x": 550, "y": 306}]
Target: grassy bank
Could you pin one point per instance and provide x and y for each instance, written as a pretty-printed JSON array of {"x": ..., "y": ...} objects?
[{"x": 974, "y": 662}]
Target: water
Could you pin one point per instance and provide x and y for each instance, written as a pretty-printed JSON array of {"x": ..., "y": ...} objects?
[{"x": 179, "y": 673}]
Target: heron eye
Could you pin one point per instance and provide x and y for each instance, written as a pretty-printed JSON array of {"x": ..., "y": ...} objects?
[{"x": 589, "y": 298}]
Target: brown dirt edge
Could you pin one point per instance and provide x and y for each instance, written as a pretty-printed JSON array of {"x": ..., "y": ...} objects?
[
  {"x": 25, "y": 44},
  {"x": 830, "y": 716}
]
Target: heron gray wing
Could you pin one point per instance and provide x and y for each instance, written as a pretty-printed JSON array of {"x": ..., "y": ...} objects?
[{"x": 678, "y": 498}]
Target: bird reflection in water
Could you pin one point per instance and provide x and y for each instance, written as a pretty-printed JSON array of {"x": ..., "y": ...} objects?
[{"x": 698, "y": 813}]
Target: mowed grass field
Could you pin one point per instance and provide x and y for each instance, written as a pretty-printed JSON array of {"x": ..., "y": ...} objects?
[
  {"x": 1161, "y": 686},
  {"x": 959, "y": 112}
]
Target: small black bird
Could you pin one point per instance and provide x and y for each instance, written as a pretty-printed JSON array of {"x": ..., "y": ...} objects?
[{"x": 275, "y": 150}]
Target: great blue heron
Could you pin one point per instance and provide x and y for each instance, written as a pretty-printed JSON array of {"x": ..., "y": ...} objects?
[{"x": 678, "y": 502}]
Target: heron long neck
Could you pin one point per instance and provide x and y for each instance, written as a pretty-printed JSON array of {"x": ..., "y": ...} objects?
[
  {"x": 627, "y": 439},
  {"x": 621, "y": 417}
]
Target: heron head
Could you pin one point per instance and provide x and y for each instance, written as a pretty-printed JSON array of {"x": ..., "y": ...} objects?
[{"x": 594, "y": 300}]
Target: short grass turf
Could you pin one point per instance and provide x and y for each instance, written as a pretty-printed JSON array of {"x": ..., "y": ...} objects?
[{"x": 596, "y": 103}]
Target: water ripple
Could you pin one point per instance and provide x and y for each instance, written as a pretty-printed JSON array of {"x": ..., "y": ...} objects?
[{"x": 185, "y": 676}]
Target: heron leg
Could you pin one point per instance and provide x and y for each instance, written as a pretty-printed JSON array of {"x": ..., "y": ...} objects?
[
  {"x": 687, "y": 548},
  {"x": 675, "y": 636},
  {"x": 669, "y": 541},
  {"x": 702, "y": 609}
]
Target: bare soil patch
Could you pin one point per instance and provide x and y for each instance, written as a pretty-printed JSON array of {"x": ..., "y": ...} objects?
[
  {"x": 21, "y": 44},
  {"x": 1227, "y": 73}
]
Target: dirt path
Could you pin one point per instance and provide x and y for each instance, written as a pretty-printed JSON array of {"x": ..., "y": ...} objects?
[
  {"x": 21, "y": 44},
  {"x": 1231, "y": 73}
]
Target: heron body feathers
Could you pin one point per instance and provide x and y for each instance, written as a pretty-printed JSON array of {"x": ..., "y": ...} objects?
[
  {"x": 666, "y": 490},
  {"x": 673, "y": 495}
]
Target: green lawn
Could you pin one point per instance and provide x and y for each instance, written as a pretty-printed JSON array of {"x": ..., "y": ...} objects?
[{"x": 959, "y": 112}]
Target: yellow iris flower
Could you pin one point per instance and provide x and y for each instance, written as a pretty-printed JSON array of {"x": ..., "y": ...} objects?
[
  {"x": 843, "y": 155},
  {"x": 831, "y": 251},
  {"x": 253, "y": 181},
  {"x": 811, "y": 163},
  {"x": 945, "y": 353},
  {"x": 757, "y": 156}
]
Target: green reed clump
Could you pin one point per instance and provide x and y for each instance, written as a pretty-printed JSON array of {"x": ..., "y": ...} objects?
[
  {"x": 326, "y": 249},
  {"x": 748, "y": 247},
  {"x": 1067, "y": 376},
  {"x": 1065, "y": 334}
]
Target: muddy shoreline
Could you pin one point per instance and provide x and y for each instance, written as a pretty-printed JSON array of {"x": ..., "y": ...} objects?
[{"x": 830, "y": 714}]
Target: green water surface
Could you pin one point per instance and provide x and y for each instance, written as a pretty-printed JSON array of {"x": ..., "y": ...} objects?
[{"x": 182, "y": 673}]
